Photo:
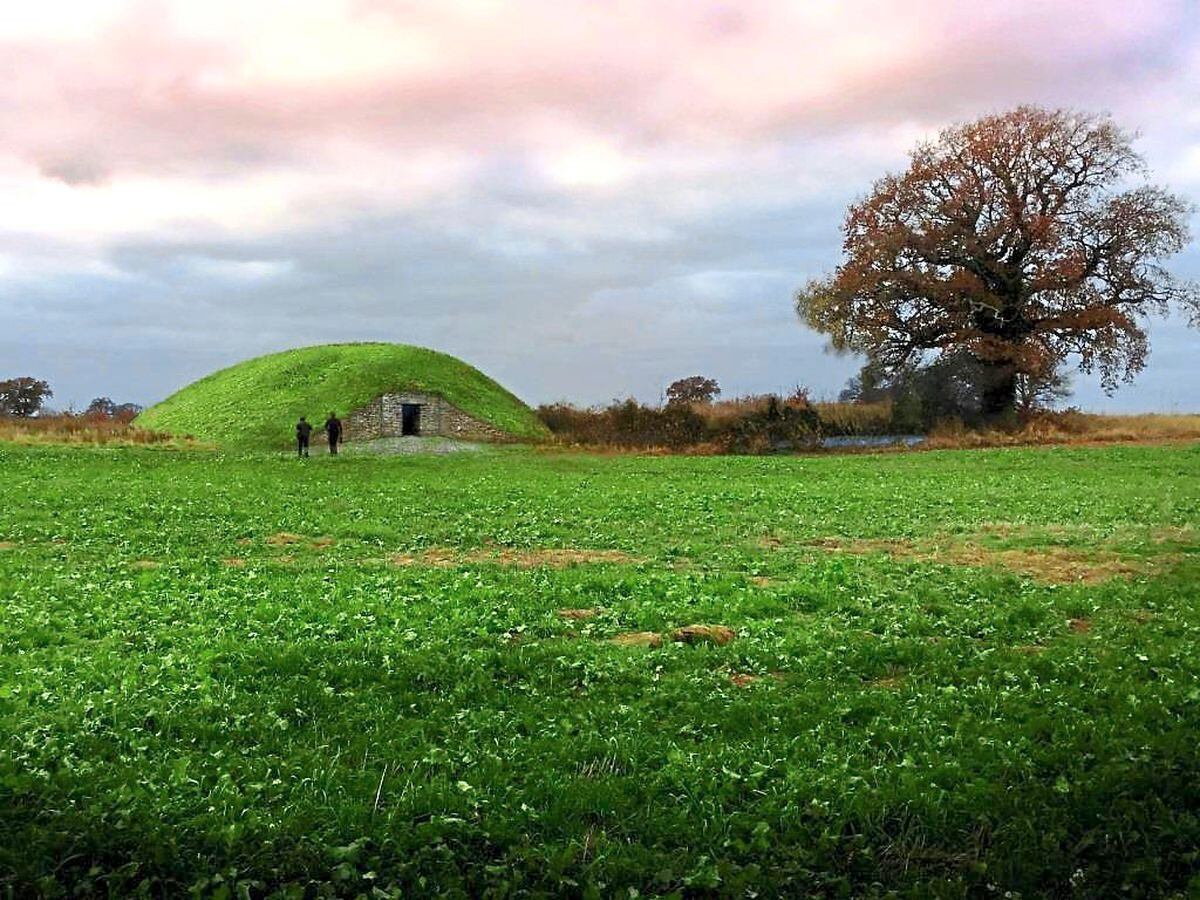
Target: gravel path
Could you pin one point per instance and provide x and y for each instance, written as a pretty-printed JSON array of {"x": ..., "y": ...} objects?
[{"x": 400, "y": 446}]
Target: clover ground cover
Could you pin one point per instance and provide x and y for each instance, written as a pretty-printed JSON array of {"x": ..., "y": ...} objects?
[{"x": 245, "y": 674}]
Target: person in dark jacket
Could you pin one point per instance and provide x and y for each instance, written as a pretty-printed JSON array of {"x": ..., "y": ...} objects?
[
  {"x": 333, "y": 430},
  {"x": 303, "y": 431}
]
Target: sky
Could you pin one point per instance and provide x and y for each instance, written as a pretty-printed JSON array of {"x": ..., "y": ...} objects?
[{"x": 585, "y": 198}]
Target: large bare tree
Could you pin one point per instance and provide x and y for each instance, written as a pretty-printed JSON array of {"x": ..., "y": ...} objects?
[{"x": 1018, "y": 238}]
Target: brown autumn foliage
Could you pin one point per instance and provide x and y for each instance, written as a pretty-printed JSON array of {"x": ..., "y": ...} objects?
[
  {"x": 1011, "y": 238},
  {"x": 754, "y": 424}
]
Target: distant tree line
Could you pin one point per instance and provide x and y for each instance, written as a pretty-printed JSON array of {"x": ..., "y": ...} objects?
[
  {"x": 915, "y": 400},
  {"x": 26, "y": 397},
  {"x": 691, "y": 418},
  {"x": 105, "y": 408}
]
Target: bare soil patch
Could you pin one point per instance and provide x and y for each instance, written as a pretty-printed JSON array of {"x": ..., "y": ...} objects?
[
  {"x": 285, "y": 539},
  {"x": 552, "y": 558},
  {"x": 745, "y": 679},
  {"x": 296, "y": 541},
  {"x": 1174, "y": 534},
  {"x": 1056, "y": 565},
  {"x": 435, "y": 557},
  {"x": 1051, "y": 564}
]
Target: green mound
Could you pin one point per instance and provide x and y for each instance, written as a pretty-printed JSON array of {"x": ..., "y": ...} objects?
[{"x": 257, "y": 402}]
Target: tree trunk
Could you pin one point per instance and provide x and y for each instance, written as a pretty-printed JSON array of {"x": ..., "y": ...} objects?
[{"x": 998, "y": 394}]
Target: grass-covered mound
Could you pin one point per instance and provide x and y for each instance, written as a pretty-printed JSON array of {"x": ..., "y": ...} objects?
[{"x": 258, "y": 401}]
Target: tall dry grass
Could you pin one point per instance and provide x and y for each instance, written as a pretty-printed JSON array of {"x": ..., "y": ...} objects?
[
  {"x": 856, "y": 418},
  {"x": 1072, "y": 427},
  {"x": 836, "y": 418},
  {"x": 719, "y": 414},
  {"x": 86, "y": 431},
  {"x": 744, "y": 424}
]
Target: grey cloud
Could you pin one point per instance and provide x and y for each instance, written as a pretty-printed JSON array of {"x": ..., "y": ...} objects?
[
  {"x": 76, "y": 171},
  {"x": 585, "y": 321},
  {"x": 139, "y": 101}
]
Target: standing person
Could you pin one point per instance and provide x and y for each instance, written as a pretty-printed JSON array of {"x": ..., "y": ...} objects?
[
  {"x": 303, "y": 430},
  {"x": 333, "y": 430}
]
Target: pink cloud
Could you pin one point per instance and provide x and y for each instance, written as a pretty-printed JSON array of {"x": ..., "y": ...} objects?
[
  {"x": 159, "y": 92},
  {"x": 226, "y": 117}
]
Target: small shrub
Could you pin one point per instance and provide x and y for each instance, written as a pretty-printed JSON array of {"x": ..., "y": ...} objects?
[
  {"x": 625, "y": 423},
  {"x": 755, "y": 424},
  {"x": 779, "y": 426}
]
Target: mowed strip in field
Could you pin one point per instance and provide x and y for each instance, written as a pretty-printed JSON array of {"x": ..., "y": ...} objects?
[{"x": 523, "y": 673}]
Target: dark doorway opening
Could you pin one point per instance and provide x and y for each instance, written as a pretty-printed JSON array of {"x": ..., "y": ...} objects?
[{"x": 410, "y": 418}]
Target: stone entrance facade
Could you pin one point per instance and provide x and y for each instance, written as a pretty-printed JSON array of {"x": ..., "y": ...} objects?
[{"x": 395, "y": 415}]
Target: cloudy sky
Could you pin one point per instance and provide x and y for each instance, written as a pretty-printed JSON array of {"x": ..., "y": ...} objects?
[{"x": 585, "y": 198}]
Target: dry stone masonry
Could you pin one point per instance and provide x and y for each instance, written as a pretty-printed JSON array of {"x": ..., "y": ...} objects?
[{"x": 385, "y": 416}]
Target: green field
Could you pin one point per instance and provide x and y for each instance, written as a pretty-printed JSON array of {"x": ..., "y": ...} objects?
[
  {"x": 255, "y": 403},
  {"x": 955, "y": 674}
]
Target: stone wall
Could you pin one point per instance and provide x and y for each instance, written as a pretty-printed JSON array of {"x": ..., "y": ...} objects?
[{"x": 383, "y": 417}]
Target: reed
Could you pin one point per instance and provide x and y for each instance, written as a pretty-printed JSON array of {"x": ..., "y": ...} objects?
[{"x": 85, "y": 430}]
